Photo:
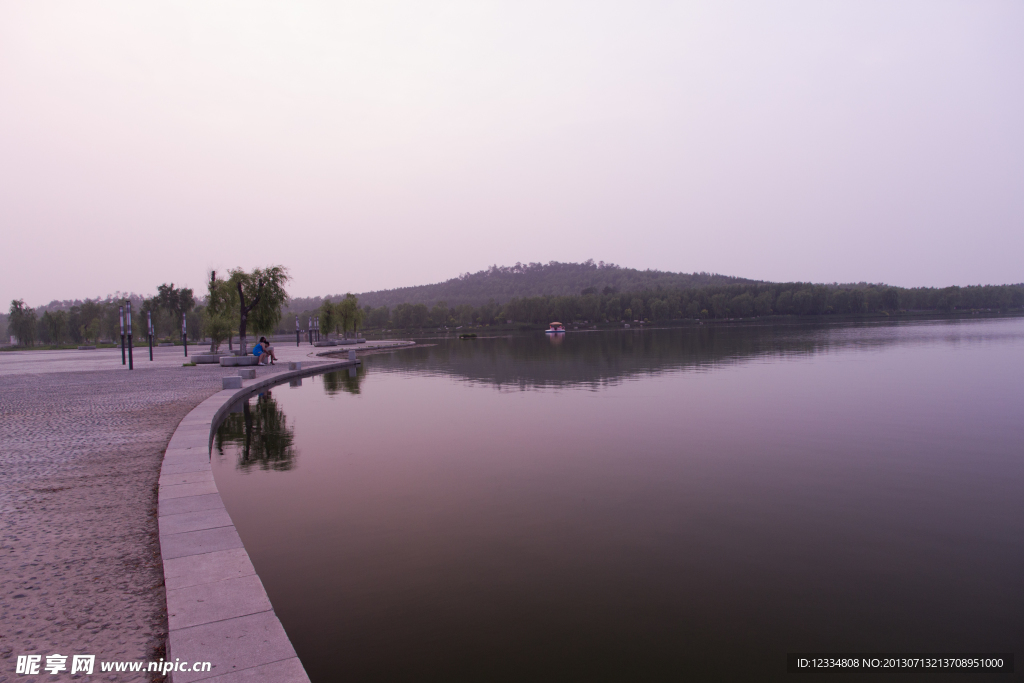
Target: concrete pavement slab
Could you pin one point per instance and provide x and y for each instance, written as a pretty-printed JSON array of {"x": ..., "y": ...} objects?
[{"x": 194, "y": 570}]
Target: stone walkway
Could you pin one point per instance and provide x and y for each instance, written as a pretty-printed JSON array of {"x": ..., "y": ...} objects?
[{"x": 80, "y": 453}]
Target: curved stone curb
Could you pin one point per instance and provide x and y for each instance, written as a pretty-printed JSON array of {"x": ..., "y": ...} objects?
[
  {"x": 217, "y": 608},
  {"x": 366, "y": 347}
]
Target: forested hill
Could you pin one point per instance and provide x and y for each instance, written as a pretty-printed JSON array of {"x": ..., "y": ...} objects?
[{"x": 502, "y": 283}]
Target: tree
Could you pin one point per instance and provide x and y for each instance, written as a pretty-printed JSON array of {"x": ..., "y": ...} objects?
[
  {"x": 720, "y": 305},
  {"x": 402, "y": 316},
  {"x": 221, "y": 302},
  {"x": 891, "y": 298},
  {"x": 803, "y": 302},
  {"x": 176, "y": 302},
  {"x": 377, "y": 317},
  {"x": 613, "y": 310},
  {"x": 92, "y": 330},
  {"x": 742, "y": 305},
  {"x": 21, "y": 321},
  {"x": 420, "y": 315},
  {"x": 261, "y": 294},
  {"x": 348, "y": 311},
  {"x": 464, "y": 314},
  {"x": 56, "y": 326},
  {"x": 763, "y": 303},
  {"x": 329, "y": 318},
  {"x": 659, "y": 309},
  {"x": 357, "y": 320},
  {"x": 439, "y": 314},
  {"x": 636, "y": 307}
]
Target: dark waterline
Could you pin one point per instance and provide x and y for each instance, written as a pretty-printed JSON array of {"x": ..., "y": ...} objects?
[{"x": 641, "y": 505}]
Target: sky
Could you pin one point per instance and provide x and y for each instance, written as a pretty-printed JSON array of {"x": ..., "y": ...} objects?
[{"x": 371, "y": 145}]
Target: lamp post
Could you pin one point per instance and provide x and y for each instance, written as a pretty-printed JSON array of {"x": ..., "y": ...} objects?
[
  {"x": 120, "y": 316},
  {"x": 149, "y": 332},
  {"x": 309, "y": 330},
  {"x": 296, "y": 330},
  {"x": 184, "y": 336},
  {"x": 128, "y": 315}
]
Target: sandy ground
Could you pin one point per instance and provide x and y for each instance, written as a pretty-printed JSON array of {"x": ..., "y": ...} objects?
[{"x": 81, "y": 443}]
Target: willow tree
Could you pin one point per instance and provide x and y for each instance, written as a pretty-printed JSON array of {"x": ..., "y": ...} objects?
[
  {"x": 328, "y": 316},
  {"x": 220, "y": 311},
  {"x": 347, "y": 311},
  {"x": 358, "y": 316},
  {"x": 261, "y": 294},
  {"x": 22, "y": 322}
]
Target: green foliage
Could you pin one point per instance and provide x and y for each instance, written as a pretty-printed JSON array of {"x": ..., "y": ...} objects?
[
  {"x": 263, "y": 290},
  {"x": 378, "y": 318},
  {"x": 348, "y": 312},
  {"x": 358, "y": 317},
  {"x": 220, "y": 315},
  {"x": 715, "y": 302},
  {"x": 537, "y": 279},
  {"x": 261, "y": 294},
  {"x": 329, "y": 318},
  {"x": 196, "y": 324},
  {"x": 439, "y": 314},
  {"x": 537, "y": 294},
  {"x": 174, "y": 301},
  {"x": 53, "y": 327},
  {"x": 91, "y": 332},
  {"x": 21, "y": 322}
]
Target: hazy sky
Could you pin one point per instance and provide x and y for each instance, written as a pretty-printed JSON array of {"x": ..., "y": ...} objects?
[{"x": 381, "y": 144}]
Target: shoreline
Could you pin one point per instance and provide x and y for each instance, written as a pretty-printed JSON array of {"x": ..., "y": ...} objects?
[{"x": 217, "y": 607}]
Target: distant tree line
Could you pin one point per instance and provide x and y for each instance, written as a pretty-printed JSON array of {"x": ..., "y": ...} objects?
[
  {"x": 340, "y": 317},
  {"x": 245, "y": 302},
  {"x": 256, "y": 302},
  {"x": 91, "y": 320},
  {"x": 710, "y": 302}
]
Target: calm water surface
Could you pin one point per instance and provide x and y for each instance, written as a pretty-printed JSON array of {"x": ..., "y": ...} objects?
[{"x": 632, "y": 506}]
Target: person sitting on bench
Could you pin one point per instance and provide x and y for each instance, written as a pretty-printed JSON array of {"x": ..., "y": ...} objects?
[{"x": 264, "y": 352}]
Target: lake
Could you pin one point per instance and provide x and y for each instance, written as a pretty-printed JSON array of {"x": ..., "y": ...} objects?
[{"x": 678, "y": 504}]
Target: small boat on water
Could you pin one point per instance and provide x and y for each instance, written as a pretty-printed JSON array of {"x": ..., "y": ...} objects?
[{"x": 555, "y": 328}]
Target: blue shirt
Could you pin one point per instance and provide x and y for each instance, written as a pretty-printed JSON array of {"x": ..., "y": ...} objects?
[{"x": 257, "y": 350}]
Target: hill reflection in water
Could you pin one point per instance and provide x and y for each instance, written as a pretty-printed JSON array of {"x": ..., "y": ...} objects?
[
  {"x": 592, "y": 359},
  {"x": 655, "y": 505}
]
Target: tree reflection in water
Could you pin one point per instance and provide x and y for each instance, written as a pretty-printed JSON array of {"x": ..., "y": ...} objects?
[
  {"x": 261, "y": 432},
  {"x": 344, "y": 380}
]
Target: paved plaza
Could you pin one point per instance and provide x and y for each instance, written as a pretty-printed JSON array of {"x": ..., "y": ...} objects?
[{"x": 81, "y": 444}]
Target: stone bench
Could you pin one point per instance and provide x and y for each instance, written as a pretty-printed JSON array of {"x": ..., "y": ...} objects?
[
  {"x": 207, "y": 358},
  {"x": 232, "y": 361},
  {"x": 86, "y": 348}
]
